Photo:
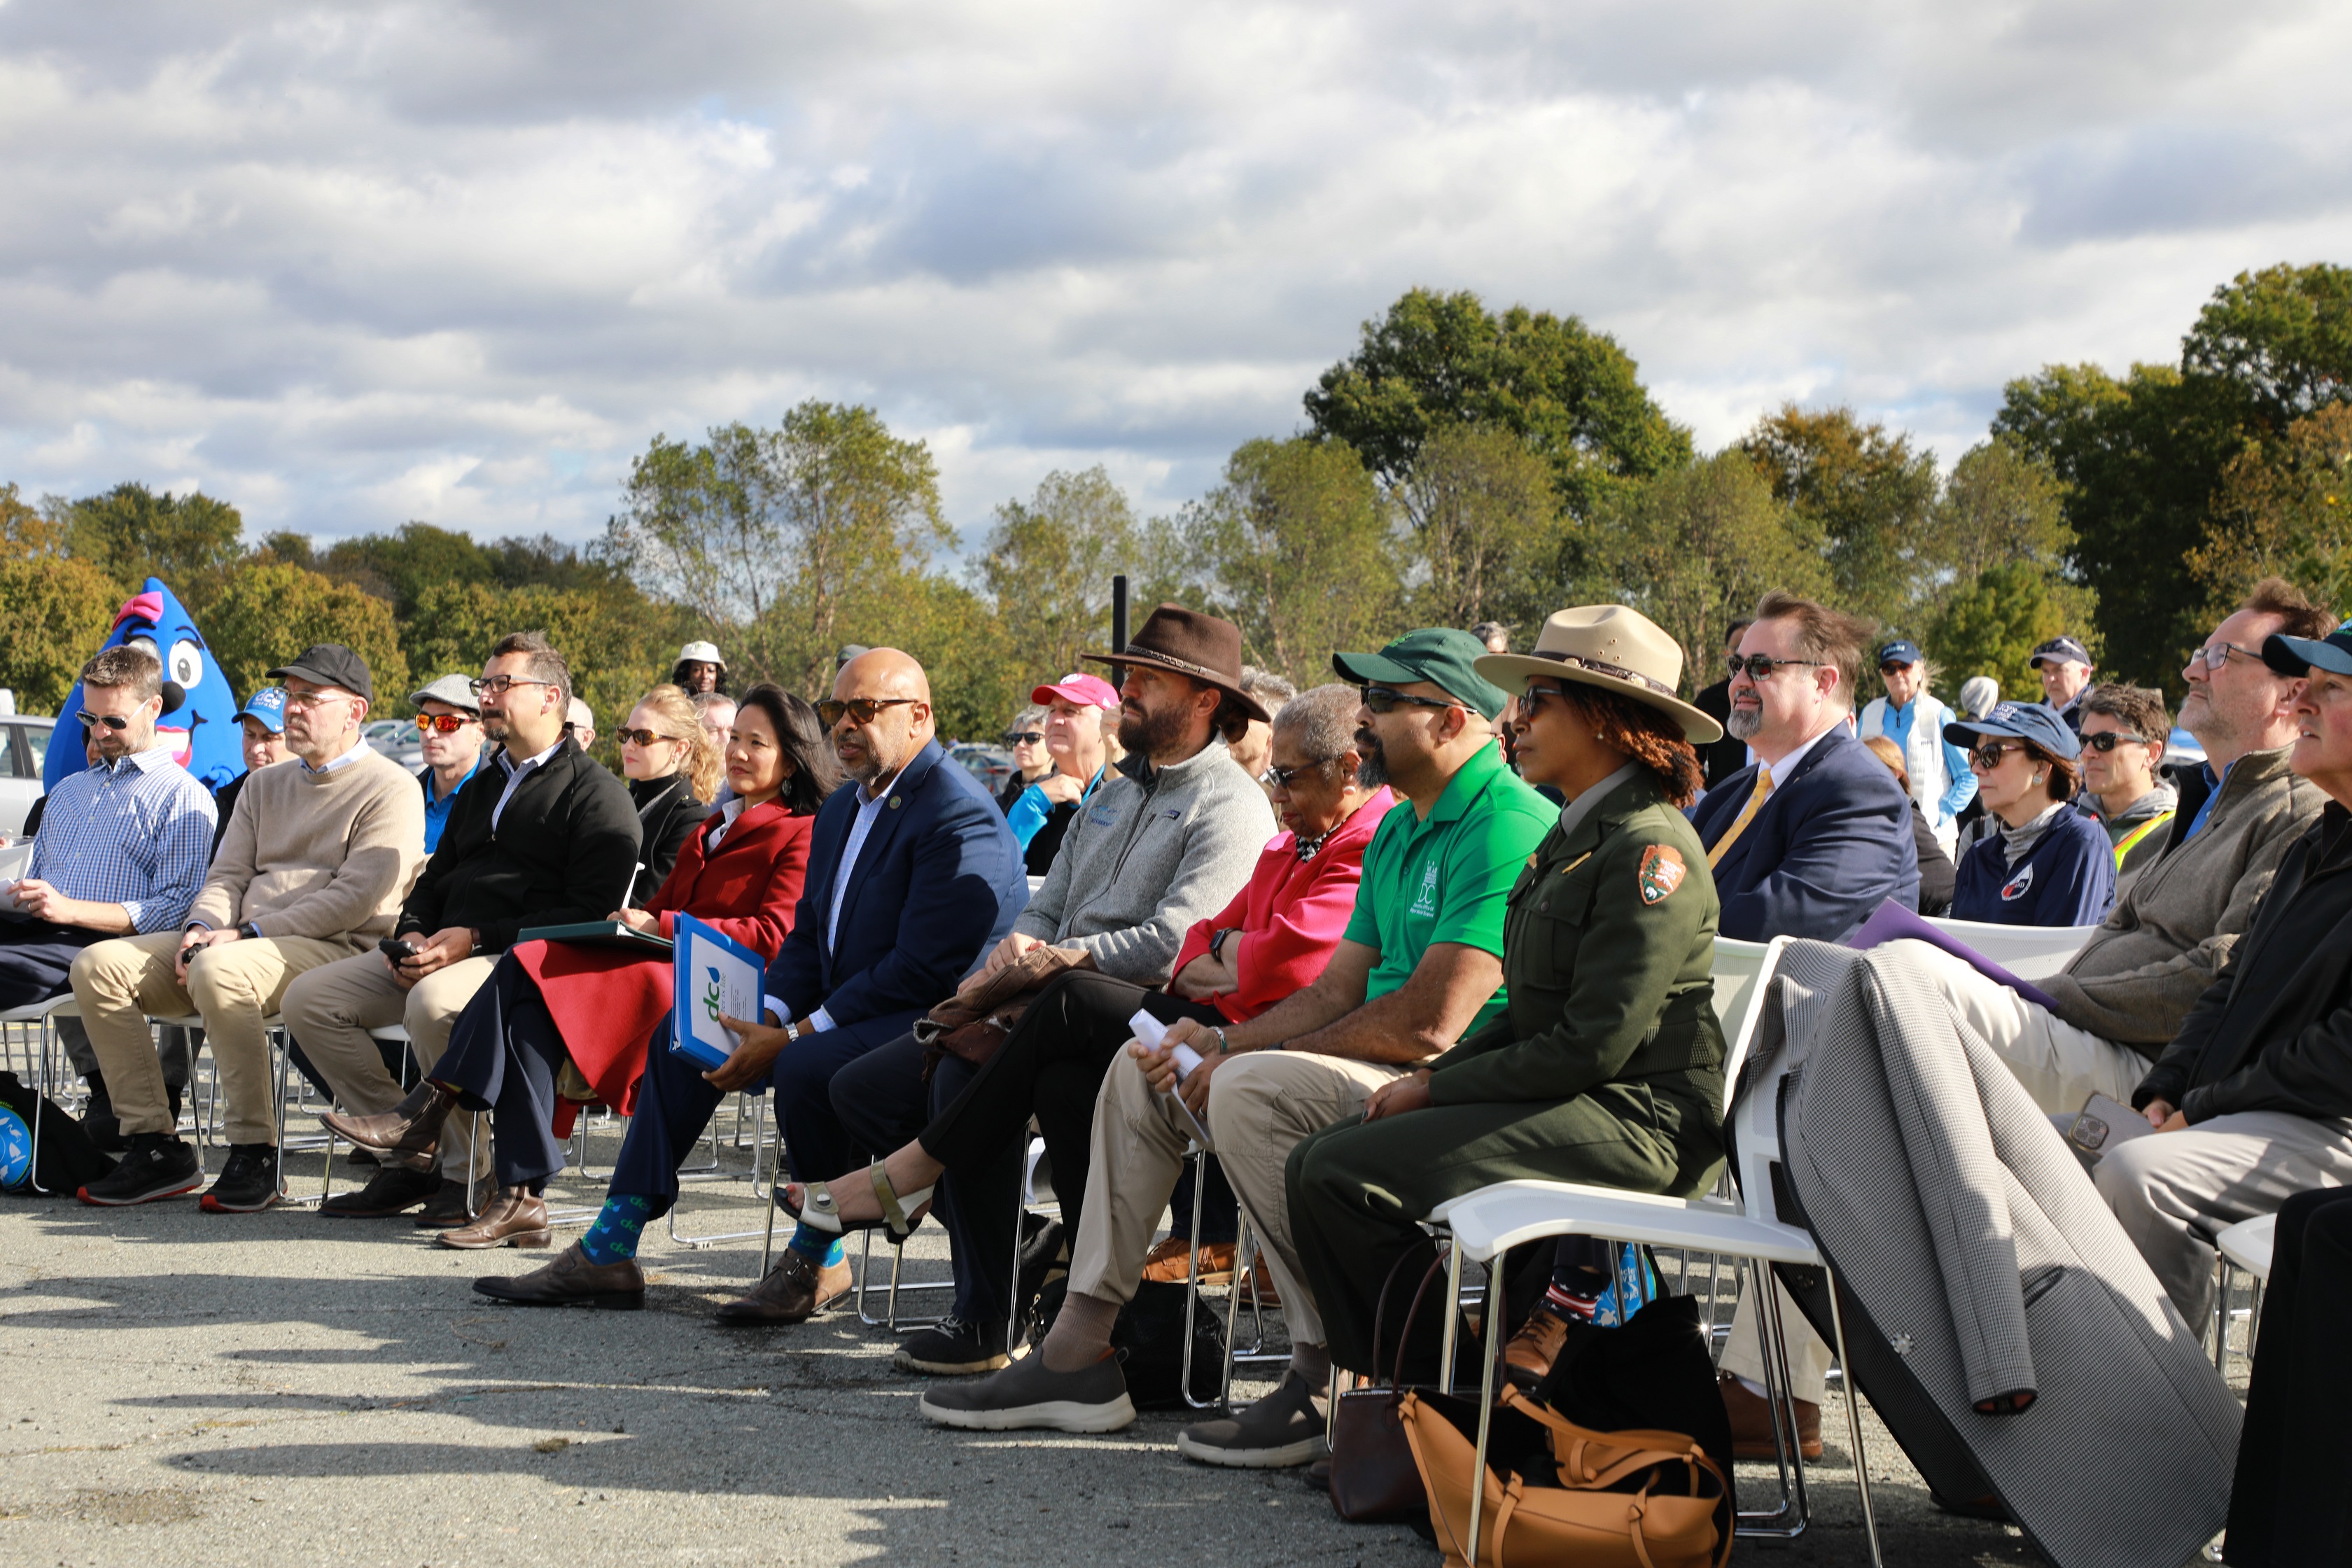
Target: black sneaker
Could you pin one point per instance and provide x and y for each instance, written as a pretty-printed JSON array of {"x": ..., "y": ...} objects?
[
  {"x": 1281, "y": 1429},
  {"x": 1025, "y": 1395},
  {"x": 953, "y": 1348},
  {"x": 247, "y": 1183},
  {"x": 154, "y": 1166},
  {"x": 99, "y": 1123},
  {"x": 393, "y": 1191}
]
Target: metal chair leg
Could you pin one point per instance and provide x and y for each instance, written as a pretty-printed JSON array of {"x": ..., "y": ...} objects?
[
  {"x": 1453, "y": 1316},
  {"x": 1854, "y": 1422},
  {"x": 1492, "y": 1353},
  {"x": 1193, "y": 1281}
]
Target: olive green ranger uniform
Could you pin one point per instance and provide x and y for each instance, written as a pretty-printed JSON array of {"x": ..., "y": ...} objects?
[{"x": 1606, "y": 1069}]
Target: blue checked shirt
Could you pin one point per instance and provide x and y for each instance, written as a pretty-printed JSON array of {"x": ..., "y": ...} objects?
[{"x": 137, "y": 833}]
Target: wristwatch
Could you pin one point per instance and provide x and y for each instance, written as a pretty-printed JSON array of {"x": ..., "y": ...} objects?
[
  {"x": 1217, "y": 942},
  {"x": 248, "y": 931}
]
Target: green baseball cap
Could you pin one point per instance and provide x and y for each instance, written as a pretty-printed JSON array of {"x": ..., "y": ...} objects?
[{"x": 1441, "y": 656}]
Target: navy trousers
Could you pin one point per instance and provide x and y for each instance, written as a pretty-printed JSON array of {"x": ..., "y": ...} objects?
[
  {"x": 36, "y": 960},
  {"x": 882, "y": 1100},
  {"x": 503, "y": 1057},
  {"x": 2289, "y": 1504}
]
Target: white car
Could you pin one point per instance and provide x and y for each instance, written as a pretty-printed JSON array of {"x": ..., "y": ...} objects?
[
  {"x": 24, "y": 743},
  {"x": 398, "y": 738}
]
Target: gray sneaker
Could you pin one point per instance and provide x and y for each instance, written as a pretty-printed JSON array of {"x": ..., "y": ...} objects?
[
  {"x": 1282, "y": 1428},
  {"x": 1092, "y": 1399}
]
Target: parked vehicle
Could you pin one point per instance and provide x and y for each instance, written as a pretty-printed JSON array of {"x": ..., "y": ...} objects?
[
  {"x": 991, "y": 766},
  {"x": 24, "y": 742}
]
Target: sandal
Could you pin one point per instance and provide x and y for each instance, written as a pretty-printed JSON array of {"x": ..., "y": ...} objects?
[{"x": 819, "y": 1212}]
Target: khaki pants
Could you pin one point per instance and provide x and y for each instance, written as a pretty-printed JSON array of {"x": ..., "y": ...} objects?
[
  {"x": 234, "y": 986},
  {"x": 1260, "y": 1106},
  {"x": 2059, "y": 1065},
  {"x": 330, "y": 1010}
]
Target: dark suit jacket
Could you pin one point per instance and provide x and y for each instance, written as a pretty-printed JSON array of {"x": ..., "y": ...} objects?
[
  {"x": 1830, "y": 846},
  {"x": 936, "y": 883}
]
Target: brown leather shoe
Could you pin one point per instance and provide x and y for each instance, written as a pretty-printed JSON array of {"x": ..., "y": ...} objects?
[
  {"x": 1168, "y": 1263},
  {"x": 1528, "y": 1357},
  {"x": 571, "y": 1281},
  {"x": 410, "y": 1132},
  {"x": 449, "y": 1208},
  {"x": 515, "y": 1217},
  {"x": 1751, "y": 1422},
  {"x": 795, "y": 1289}
]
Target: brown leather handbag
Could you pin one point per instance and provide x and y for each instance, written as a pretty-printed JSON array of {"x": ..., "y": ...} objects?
[
  {"x": 1374, "y": 1477},
  {"x": 974, "y": 1025},
  {"x": 1612, "y": 1506}
]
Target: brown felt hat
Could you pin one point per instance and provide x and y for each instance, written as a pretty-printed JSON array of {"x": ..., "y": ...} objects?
[{"x": 1186, "y": 641}]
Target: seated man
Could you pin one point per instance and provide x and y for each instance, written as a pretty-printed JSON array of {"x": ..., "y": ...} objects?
[
  {"x": 317, "y": 858},
  {"x": 449, "y": 731},
  {"x": 1815, "y": 834},
  {"x": 2124, "y": 731},
  {"x": 911, "y": 876},
  {"x": 1165, "y": 839},
  {"x": 122, "y": 850},
  {"x": 263, "y": 720},
  {"x": 2252, "y": 1100},
  {"x": 545, "y": 836},
  {"x": 1419, "y": 967}
]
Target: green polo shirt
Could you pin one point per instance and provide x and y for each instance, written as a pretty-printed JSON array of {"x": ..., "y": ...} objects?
[{"x": 1447, "y": 878}]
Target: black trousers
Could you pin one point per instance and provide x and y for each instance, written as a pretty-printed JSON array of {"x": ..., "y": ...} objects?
[
  {"x": 505, "y": 1053},
  {"x": 2289, "y": 1503},
  {"x": 36, "y": 960}
]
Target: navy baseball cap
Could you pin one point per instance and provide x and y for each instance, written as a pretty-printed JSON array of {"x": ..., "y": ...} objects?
[
  {"x": 2061, "y": 649},
  {"x": 2296, "y": 655},
  {"x": 2022, "y": 720},
  {"x": 1900, "y": 651}
]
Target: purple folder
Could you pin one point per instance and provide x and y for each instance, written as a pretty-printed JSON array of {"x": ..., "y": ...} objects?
[{"x": 1893, "y": 922}]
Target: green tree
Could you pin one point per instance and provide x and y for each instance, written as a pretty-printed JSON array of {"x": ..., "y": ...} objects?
[
  {"x": 976, "y": 684},
  {"x": 132, "y": 533},
  {"x": 1047, "y": 567},
  {"x": 615, "y": 658},
  {"x": 1485, "y": 527},
  {"x": 1993, "y": 626},
  {"x": 266, "y": 614},
  {"x": 1694, "y": 549},
  {"x": 2283, "y": 510},
  {"x": 1999, "y": 504},
  {"x": 1437, "y": 361},
  {"x": 1295, "y": 548},
  {"x": 2280, "y": 339},
  {"x": 58, "y": 609},
  {"x": 1867, "y": 492},
  {"x": 400, "y": 566}
]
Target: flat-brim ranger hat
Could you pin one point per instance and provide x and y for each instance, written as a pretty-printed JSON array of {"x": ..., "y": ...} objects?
[
  {"x": 1188, "y": 643},
  {"x": 1611, "y": 646}
]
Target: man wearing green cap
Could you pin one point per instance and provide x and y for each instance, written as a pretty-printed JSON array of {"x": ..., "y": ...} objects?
[{"x": 1419, "y": 967}]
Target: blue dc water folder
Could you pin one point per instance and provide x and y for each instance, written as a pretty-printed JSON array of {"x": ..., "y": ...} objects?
[{"x": 716, "y": 975}]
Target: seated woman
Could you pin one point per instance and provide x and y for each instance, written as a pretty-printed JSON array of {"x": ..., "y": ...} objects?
[
  {"x": 1607, "y": 1066},
  {"x": 1081, "y": 736},
  {"x": 2288, "y": 1504},
  {"x": 1031, "y": 763},
  {"x": 1275, "y": 935},
  {"x": 2042, "y": 863},
  {"x": 563, "y": 1024},
  {"x": 672, "y": 765}
]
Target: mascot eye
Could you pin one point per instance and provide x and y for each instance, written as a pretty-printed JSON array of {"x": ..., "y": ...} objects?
[{"x": 186, "y": 664}]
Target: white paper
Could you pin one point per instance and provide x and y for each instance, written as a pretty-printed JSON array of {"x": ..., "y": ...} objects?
[
  {"x": 725, "y": 983},
  {"x": 1151, "y": 1031}
]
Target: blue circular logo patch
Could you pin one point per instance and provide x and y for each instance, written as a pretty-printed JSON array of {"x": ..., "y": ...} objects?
[{"x": 16, "y": 1150}]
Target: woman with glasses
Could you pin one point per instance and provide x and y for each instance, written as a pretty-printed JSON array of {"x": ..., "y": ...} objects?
[
  {"x": 672, "y": 767},
  {"x": 2043, "y": 863},
  {"x": 1081, "y": 736},
  {"x": 561, "y": 1024},
  {"x": 1031, "y": 761}
]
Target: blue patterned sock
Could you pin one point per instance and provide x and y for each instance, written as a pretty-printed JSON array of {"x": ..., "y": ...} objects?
[
  {"x": 618, "y": 1228},
  {"x": 820, "y": 1245}
]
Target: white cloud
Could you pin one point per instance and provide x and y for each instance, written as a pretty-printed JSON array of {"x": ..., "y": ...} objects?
[{"x": 347, "y": 266}]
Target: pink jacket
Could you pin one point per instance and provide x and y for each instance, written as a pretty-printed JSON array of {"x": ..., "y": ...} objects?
[{"x": 1290, "y": 915}]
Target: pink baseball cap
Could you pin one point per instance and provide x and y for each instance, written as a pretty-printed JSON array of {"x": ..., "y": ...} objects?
[{"x": 1087, "y": 690}]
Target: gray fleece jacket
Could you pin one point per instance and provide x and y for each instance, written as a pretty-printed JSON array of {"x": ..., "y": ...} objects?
[
  {"x": 1153, "y": 850},
  {"x": 2142, "y": 971}
]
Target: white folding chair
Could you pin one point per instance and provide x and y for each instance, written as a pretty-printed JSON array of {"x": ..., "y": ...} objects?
[
  {"x": 38, "y": 1016},
  {"x": 1488, "y": 1223},
  {"x": 2029, "y": 952},
  {"x": 2245, "y": 1246}
]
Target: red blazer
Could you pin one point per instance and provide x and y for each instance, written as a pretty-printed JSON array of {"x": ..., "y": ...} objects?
[
  {"x": 1290, "y": 915},
  {"x": 607, "y": 1004}
]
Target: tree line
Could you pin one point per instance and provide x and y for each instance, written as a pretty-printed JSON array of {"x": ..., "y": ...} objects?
[{"x": 1459, "y": 465}]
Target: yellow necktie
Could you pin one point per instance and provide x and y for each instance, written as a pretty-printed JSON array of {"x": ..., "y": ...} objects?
[{"x": 1747, "y": 815}]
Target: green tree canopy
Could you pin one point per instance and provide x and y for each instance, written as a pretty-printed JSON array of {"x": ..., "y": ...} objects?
[
  {"x": 266, "y": 614},
  {"x": 132, "y": 533},
  {"x": 1487, "y": 533},
  {"x": 2283, "y": 510},
  {"x": 1993, "y": 626},
  {"x": 58, "y": 609},
  {"x": 1047, "y": 564},
  {"x": 1865, "y": 490}
]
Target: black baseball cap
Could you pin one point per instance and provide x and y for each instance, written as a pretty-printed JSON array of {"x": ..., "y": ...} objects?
[
  {"x": 329, "y": 664},
  {"x": 2296, "y": 655}
]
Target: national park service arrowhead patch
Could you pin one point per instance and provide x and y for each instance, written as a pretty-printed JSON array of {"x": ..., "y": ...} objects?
[{"x": 1662, "y": 872}]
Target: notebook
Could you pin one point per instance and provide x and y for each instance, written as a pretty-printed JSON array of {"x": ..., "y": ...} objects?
[
  {"x": 599, "y": 933},
  {"x": 716, "y": 975}
]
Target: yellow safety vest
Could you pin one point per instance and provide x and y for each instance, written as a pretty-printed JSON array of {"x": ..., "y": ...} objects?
[{"x": 2124, "y": 845}]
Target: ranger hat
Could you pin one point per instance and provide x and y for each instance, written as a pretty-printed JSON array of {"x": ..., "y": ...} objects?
[{"x": 1613, "y": 647}]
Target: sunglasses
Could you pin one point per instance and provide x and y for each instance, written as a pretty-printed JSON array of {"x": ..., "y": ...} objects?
[
  {"x": 2108, "y": 740},
  {"x": 644, "y": 737},
  {"x": 1988, "y": 755},
  {"x": 861, "y": 709},
  {"x": 1381, "y": 699},
  {"x": 1280, "y": 777},
  {"x": 1761, "y": 665},
  {"x": 1893, "y": 668},
  {"x": 447, "y": 723},
  {"x": 1025, "y": 738},
  {"x": 111, "y": 721}
]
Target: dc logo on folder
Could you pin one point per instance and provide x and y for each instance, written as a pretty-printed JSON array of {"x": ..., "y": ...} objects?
[{"x": 716, "y": 976}]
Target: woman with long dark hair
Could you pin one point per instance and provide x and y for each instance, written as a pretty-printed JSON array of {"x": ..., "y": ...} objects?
[{"x": 560, "y": 1024}]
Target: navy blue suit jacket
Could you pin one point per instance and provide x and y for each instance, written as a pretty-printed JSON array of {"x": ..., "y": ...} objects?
[
  {"x": 1830, "y": 846},
  {"x": 938, "y": 881}
]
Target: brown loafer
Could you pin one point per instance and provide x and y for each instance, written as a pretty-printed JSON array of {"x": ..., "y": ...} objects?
[
  {"x": 1528, "y": 1357},
  {"x": 411, "y": 1129},
  {"x": 1170, "y": 1263},
  {"x": 446, "y": 1209},
  {"x": 1751, "y": 1422},
  {"x": 571, "y": 1281},
  {"x": 515, "y": 1217},
  {"x": 795, "y": 1289}
]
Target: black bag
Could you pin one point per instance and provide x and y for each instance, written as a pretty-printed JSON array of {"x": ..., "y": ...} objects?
[
  {"x": 1150, "y": 1339},
  {"x": 66, "y": 1159}
]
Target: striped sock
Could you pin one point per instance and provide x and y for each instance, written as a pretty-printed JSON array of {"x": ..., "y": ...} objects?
[{"x": 618, "y": 1228}]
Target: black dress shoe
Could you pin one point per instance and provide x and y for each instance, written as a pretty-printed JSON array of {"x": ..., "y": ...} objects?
[
  {"x": 392, "y": 1191},
  {"x": 792, "y": 1293},
  {"x": 448, "y": 1208}
]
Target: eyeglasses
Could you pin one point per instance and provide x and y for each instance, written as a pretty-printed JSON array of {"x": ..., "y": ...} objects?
[
  {"x": 447, "y": 723},
  {"x": 1025, "y": 738},
  {"x": 1761, "y": 665},
  {"x": 2108, "y": 740},
  {"x": 307, "y": 700},
  {"x": 645, "y": 736},
  {"x": 498, "y": 684},
  {"x": 111, "y": 721},
  {"x": 1381, "y": 699},
  {"x": 2214, "y": 655},
  {"x": 861, "y": 709},
  {"x": 1533, "y": 697},
  {"x": 1988, "y": 755}
]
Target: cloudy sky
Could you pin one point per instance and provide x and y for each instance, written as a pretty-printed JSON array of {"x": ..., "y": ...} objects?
[{"x": 351, "y": 265}]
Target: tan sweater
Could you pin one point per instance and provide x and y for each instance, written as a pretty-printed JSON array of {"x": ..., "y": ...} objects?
[
  {"x": 2137, "y": 978},
  {"x": 327, "y": 855}
]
